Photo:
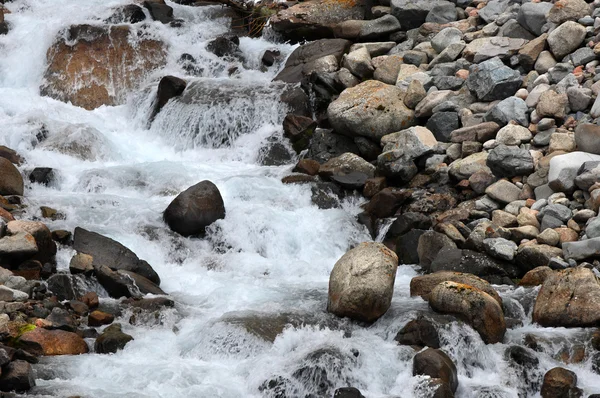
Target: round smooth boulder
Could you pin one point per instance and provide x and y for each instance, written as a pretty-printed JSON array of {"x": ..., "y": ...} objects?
[
  {"x": 11, "y": 181},
  {"x": 436, "y": 364},
  {"x": 194, "y": 209},
  {"x": 474, "y": 306},
  {"x": 560, "y": 383},
  {"x": 372, "y": 109},
  {"x": 361, "y": 283}
]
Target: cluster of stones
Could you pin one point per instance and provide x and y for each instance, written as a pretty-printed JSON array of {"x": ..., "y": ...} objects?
[
  {"x": 45, "y": 312},
  {"x": 473, "y": 126}
]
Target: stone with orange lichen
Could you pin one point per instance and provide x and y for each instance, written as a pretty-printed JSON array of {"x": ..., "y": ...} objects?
[{"x": 474, "y": 306}]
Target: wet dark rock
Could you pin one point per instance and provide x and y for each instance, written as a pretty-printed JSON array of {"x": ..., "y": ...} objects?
[
  {"x": 347, "y": 392},
  {"x": 112, "y": 340},
  {"x": 387, "y": 201},
  {"x": 408, "y": 221},
  {"x": 298, "y": 129},
  {"x": 270, "y": 56},
  {"x": 129, "y": 13},
  {"x": 436, "y": 364},
  {"x": 159, "y": 11},
  {"x": 326, "y": 195},
  {"x": 560, "y": 383},
  {"x": 479, "y": 264},
  {"x": 225, "y": 47},
  {"x": 61, "y": 319},
  {"x": 42, "y": 175},
  {"x": 112, "y": 254},
  {"x": 100, "y": 318},
  {"x": 275, "y": 153},
  {"x": 442, "y": 124},
  {"x": 407, "y": 246},
  {"x": 62, "y": 236},
  {"x": 419, "y": 332},
  {"x": 17, "y": 376},
  {"x": 11, "y": 155},
  {"x": 117, "y": 284},
  {"x": 150, "y": 304},
  {"x": 325, "y": 144},
  {"x": 168, "y": 88},
  {"x": 430, "y": 244},
  {"x": 63, "y": 286}
]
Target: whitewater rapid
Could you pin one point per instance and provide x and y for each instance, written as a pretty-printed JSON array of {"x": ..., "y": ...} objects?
[{"x": 271, "y": 255}]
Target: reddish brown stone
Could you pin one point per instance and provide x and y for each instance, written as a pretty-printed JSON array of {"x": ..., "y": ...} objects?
[
  {"x": 99, "y": 318},
  {"x": 53, "y": 342},
  {"x": 91, "y": 300}
]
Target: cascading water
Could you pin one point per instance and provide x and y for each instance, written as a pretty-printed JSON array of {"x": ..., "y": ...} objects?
[{"x": 265, "y": 265}]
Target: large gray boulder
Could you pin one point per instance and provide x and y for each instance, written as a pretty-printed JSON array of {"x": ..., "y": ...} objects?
[
  {"x": 110, "y": 253},
  {"x": 510, "y": 161},
  {"x": 581, "y": 250},
  {"x": 372, "y": 109},
  {"x": 532, "y": 16},
  {"x": 492, "y": 80},
  {"x": 361, "y": 283},
  {"x": 566, "y": 38},
  {"x": 412, "y": 13},
  {"x": 195, "y": 209},
  {"x": 310, "y": 57}
]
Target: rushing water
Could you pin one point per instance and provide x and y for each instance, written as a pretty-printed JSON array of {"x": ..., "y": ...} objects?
[{"x": 268, "y": 260}]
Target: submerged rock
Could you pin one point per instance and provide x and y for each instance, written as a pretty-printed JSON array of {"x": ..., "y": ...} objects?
[
  {"x": 91, "y": 66},
  {"x": 195, "y": 209},
  {"x": 361, "y": 283}
]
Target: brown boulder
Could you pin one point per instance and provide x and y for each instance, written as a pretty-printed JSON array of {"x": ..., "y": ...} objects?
[
  {"x": 41, "y": 233},
  {"x": 536, "y": 276},
  {"x": 53, "y": 342},
  {"x": 560, "y": 383},
  {"x": 92, "y": 66},
  {"x": 474, "y": 306},
  {"x": 424, "y": 284},
  {"x": 11, "y": 181},
  {"x": 569, "y": 298},
  {"x": 99, "y": 318},
  {"x": 17, "y": 376},
  {"x": 437, "y": 365}
]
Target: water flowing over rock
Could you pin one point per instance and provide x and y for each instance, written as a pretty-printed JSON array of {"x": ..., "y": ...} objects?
[
  {"x": 361, "y": 283},
  {"x": 91, "y": 66}
]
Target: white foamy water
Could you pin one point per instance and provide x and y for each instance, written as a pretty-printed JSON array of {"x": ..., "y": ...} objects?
[{"x": 269, "y": 258}]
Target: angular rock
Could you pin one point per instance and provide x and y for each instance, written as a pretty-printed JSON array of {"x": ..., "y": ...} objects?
[
  {"x": 411, "y": 13},
  {"x": 485, "y": 48},
  {"x": 532, "y": 16},
  {"x": 564, "y": 169},
  {"x": 17, "y": 376},
  {"x": 430, "y": 244},
  {"x": 361, "y": 283},
  {"x": 587, "y": 137},
  {"x": 568, "y": 10},
  {"x": 492, "y": 80},
  {"x": 307, "y": 58},
  {"x": 510, "y": 161},
  {"x": 508, "y": 110},
  {"x": 110, "y": 253},
  {"x": 581, "y": 250},
  {"x": 503, "y": 191}
]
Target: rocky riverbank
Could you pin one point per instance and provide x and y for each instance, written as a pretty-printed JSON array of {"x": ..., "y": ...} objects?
[{"x": 467, "y": 129}]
